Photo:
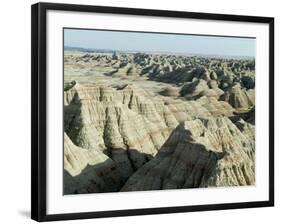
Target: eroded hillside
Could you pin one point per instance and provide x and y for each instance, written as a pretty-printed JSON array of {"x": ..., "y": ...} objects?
[{"x": 152, "y": 121}]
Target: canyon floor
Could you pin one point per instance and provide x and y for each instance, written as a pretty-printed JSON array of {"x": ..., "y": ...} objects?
[{"x": 152, "y": 121}]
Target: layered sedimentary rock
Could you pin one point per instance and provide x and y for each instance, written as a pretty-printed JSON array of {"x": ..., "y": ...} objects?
[
  {"x": 199, "y": 153},
  {"x": 198, "y": 88},
  {"x": 123, "y": 121},
  {"x": 119, "y": 122},
  {"x": 170, "y": 91},
  {"x": 88, "y": 170},
  {"x": 239, "y": 98},
  {"x": 136, "y": 121},
  {"x": 176, "y": 69},
  {"x": 108, "y": 115}
]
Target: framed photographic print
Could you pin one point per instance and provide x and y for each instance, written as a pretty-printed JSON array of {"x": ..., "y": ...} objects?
[{"x": 140, "y": 111}]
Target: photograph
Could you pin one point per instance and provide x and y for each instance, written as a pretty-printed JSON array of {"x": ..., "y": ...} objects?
[{"x": 145, "y": 111}]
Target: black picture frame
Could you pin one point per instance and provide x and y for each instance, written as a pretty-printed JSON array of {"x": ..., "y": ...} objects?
[{"x": 39, "y": 122}]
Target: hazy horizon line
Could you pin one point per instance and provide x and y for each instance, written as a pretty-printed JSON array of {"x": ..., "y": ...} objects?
[{"x": 89, "y": 50}]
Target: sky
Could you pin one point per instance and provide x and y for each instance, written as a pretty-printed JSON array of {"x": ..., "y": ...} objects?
[{"x": 159, "y": 42}]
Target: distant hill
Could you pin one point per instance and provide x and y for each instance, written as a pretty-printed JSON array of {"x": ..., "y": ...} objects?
[
  {"x": 68, "y": 48},
  {"x": 91, "y": 50}
]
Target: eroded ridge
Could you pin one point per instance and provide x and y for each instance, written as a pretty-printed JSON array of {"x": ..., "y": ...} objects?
[{"x": 136, "y": 121}]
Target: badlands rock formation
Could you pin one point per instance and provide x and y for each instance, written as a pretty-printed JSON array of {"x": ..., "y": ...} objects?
[
  {"x": 199, "y": 153},
  {"x": 137, "y": 121},
  {"x": 88, "y": 170}
]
